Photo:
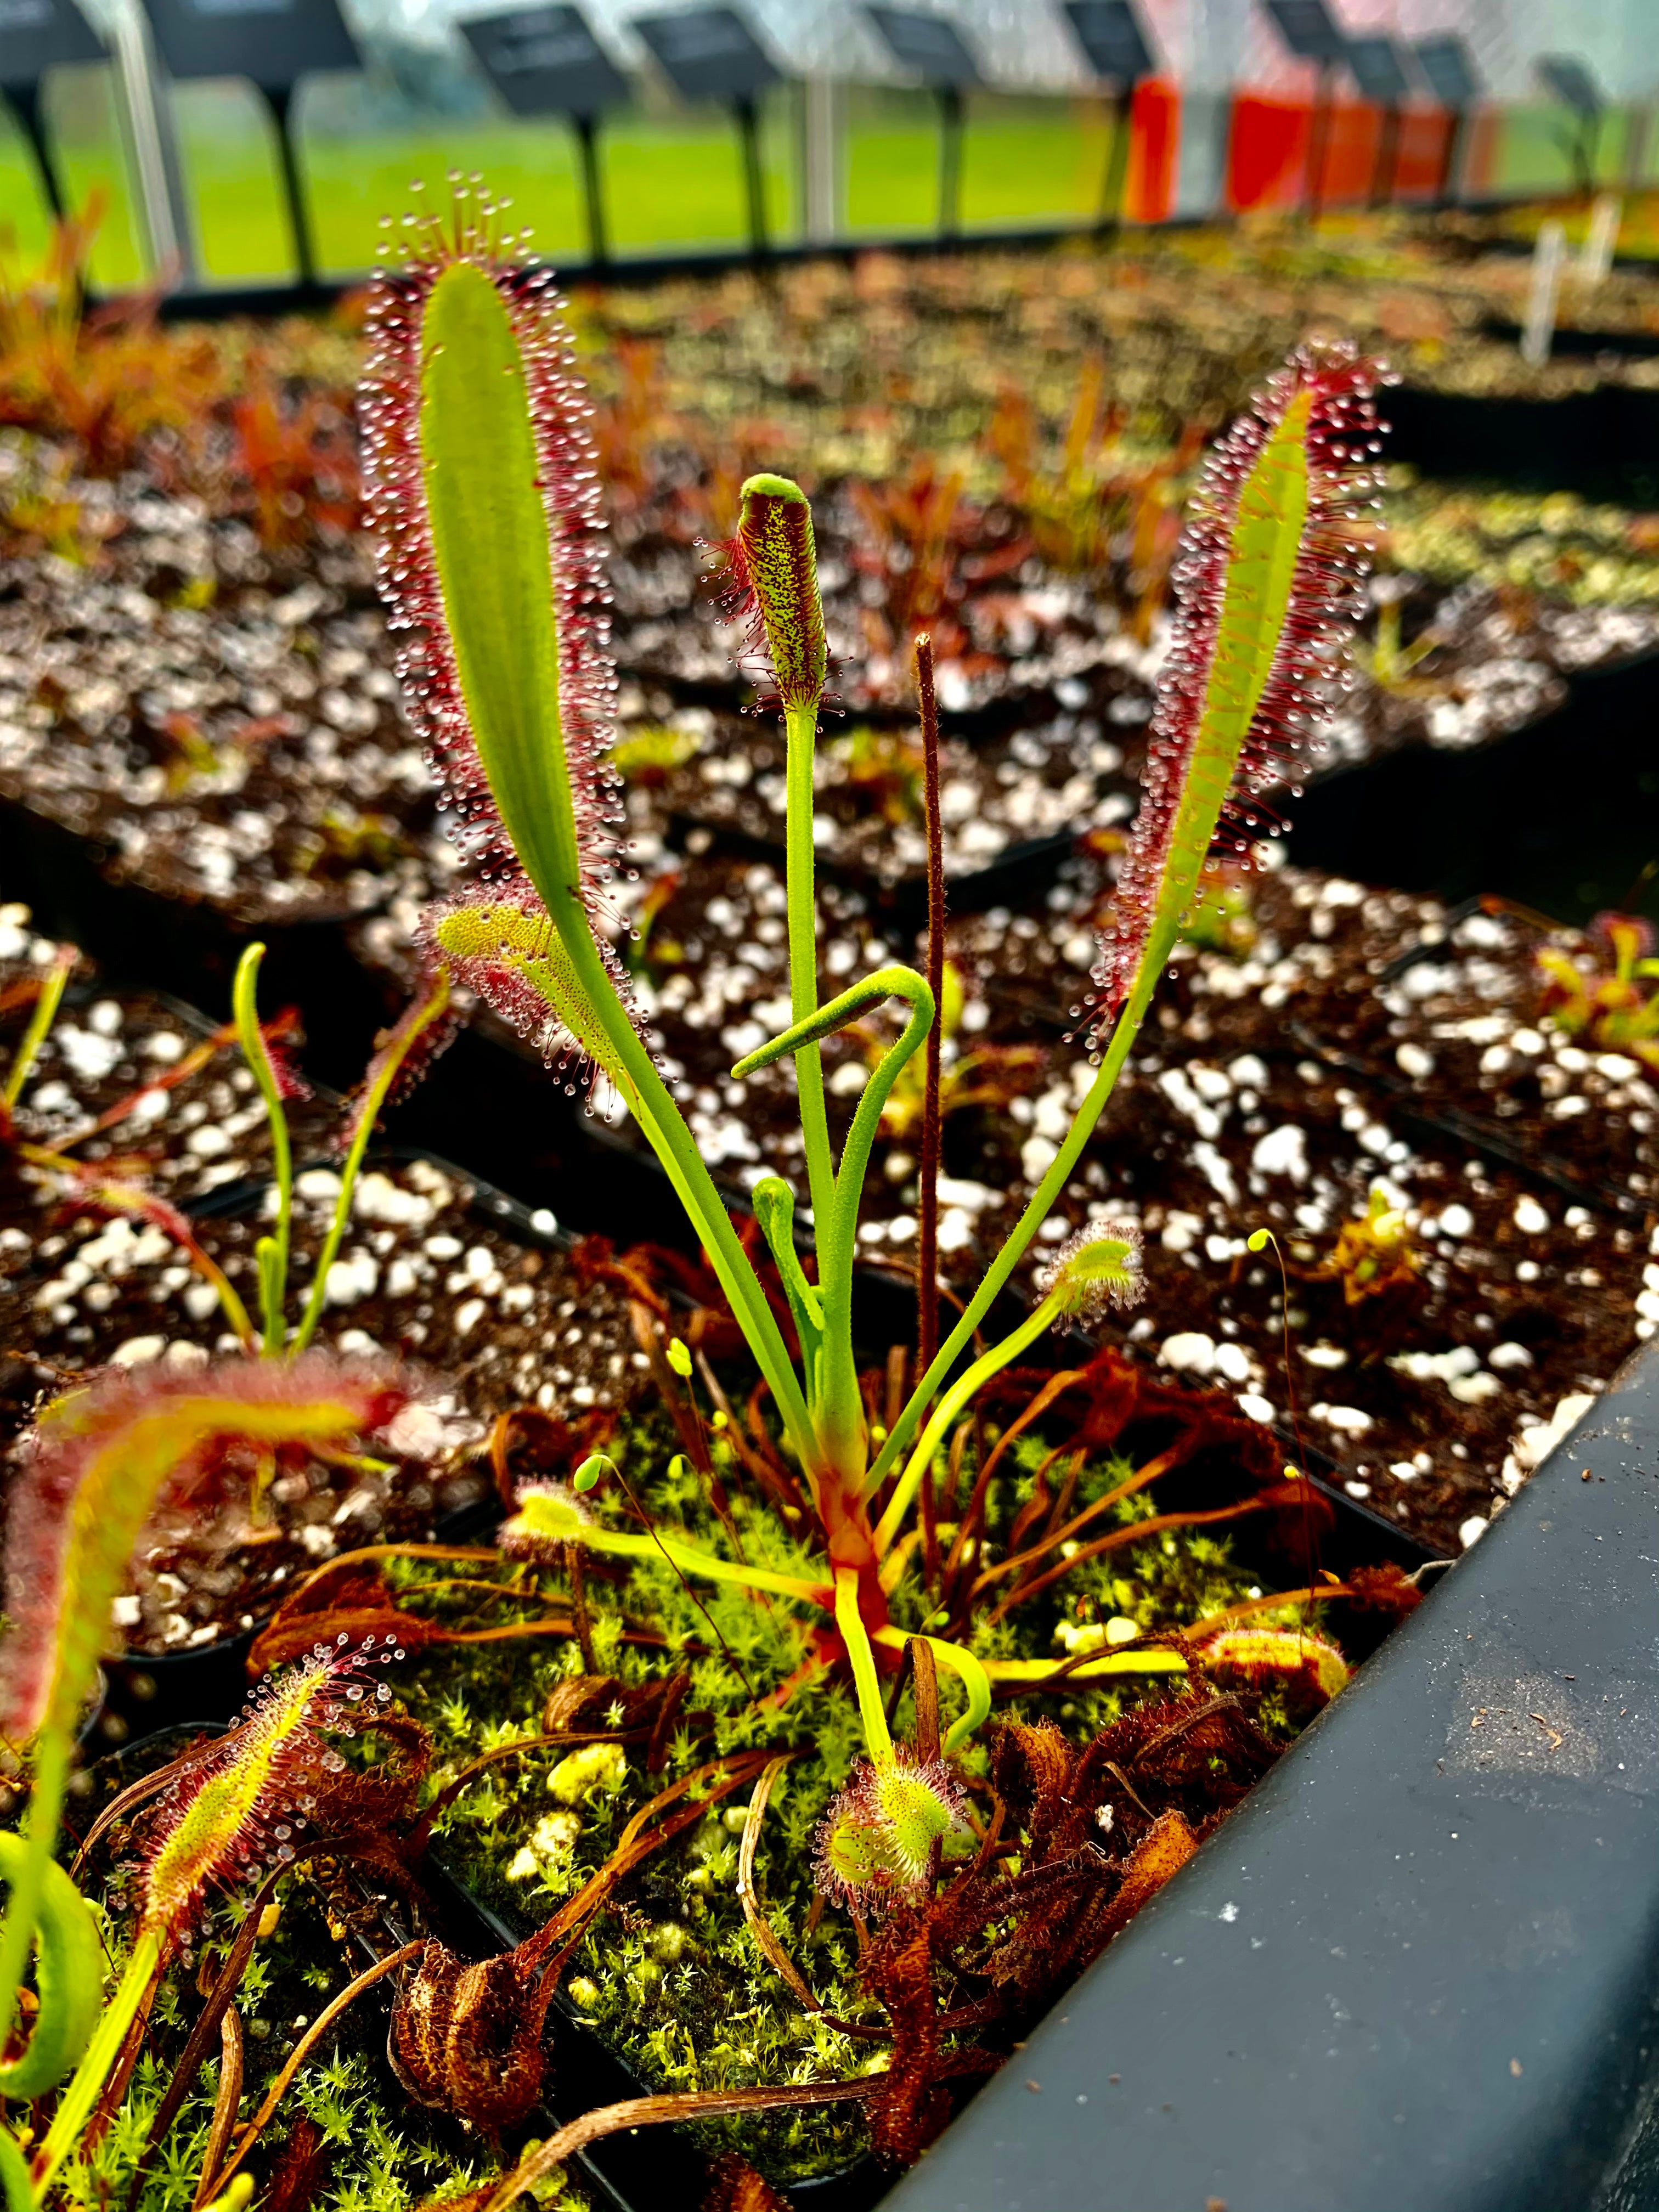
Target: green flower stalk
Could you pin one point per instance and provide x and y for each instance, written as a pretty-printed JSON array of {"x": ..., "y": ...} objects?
[
  {"x": 100, "y": 1463},
  {"x": 482, "y": 492}
]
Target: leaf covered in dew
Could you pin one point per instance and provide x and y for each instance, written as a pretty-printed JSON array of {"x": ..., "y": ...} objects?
[
  {"x": 548, "y": 1518},
  {"x": 1101, "y": 1268},
  {"x": 1307, "y": 1669},
  {"x": 875, "y": 1842},
  {"x": 237, "y": 1807},
  {"x": 103, "y": 1459},
  {"x": 483, "y": 497},
  {"x": 1267, "y": 584},
  {"x": 502, "y": 944}
]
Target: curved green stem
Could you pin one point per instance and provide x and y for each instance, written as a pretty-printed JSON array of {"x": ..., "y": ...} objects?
[
  {"x": 775, "y": 1209},
  {"x": 837, "y": 1409},
  {"x": 52, "y": 1770},
  {"x": 961, "y": 1393},
  {"x": 1038, "y": 1671},
  {"x": 75, "y": 2106},
  {"x": 625, "y": 1543},
  {"x": 664, "y": 1128},
  {"x": 969, "y": 1670},
  {"x": 14, "y": 2174},
  {"x": 420, "y": 1019},
  {"x": 271, "y": 1252},
  {"x": 1159, "y": 945},
  {"x": 801, "y": 724},
  {"x": 41, "y": 1021},
  {"x": 68, "y": 1980},
  {"x": 853, "y": 1634}
]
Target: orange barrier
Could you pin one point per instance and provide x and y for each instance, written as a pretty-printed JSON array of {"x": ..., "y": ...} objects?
[
  {"x": 1268, "y": 149},
  {"x": 1154, "y": 143}
]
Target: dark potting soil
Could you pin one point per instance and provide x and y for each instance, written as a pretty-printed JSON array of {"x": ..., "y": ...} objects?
[
  {"x": 221, "y": 719},
  {"x": 868, "y": 820},
  {"x": 490, "y": 1323},
  {"x": 180, "y": 1136}
]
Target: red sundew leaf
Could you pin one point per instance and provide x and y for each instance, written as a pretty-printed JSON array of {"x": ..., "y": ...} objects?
[{"x": 102, "y": 1460}]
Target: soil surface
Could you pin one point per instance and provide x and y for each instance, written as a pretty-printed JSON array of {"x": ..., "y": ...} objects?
[
  {"x": 494, "y": 1320},
  {"x": 129, "y": 1089},
  {"x": 221, "y": 720}
]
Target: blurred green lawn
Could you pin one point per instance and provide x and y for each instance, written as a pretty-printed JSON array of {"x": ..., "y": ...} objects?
[{"x": 670, "y": 183}]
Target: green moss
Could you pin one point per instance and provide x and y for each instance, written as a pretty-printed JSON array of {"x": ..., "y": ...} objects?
[
  {"x": 670, "y": 1976},
  {"x": 390, "y": 2155}
]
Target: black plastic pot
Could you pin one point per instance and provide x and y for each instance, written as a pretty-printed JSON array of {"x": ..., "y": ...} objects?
[
  {"x": 1419, "y": 1966},
  {"x": 189, "y": 949},
  {"x": 1603, "y": 444},
  {"x": 1516, "y": 817}
]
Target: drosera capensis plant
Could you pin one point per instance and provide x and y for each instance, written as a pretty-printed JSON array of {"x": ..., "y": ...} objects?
[
  {"x": 233, "y": 1814},
  {"x": 482, "y": 489},
  {"x": 98, "y": 1464},
  {"x": 1607, "y": 1002}
]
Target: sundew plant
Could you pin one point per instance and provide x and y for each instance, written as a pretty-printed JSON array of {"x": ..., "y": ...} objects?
[
  {"x": 100, "y": 1462},
  {"x": 483, "y": 493}
]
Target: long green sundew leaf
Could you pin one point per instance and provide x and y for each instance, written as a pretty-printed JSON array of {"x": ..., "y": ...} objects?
[
  {"x": 483, "y": 935},
  {"x": 482, "y": 494},
  {"x": 775, "y": 573},
  {"x": 775, "y": 577},
  {"x": 489, "y": 540},
  {"x": 1266, "y": 545},
  {"x": 549, "y": 1519},
  {"x": 849, "y": 1620},
  {"x": 270, "y": 1253},
  {"x": 99, "y": 1462},
  {"x": 1268, "y": 584}
]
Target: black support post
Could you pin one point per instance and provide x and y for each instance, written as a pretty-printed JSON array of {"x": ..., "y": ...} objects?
[
  {"x": 280, "y": 101},
  {"x": 951, "y": 110},
  {"x": 755, "y": 183},
  {"x": 588, "y": 139},
  {"x": 1319, "y": 139},
  {"x": 1119, "y": 109},
  {"x": 26, "y": 104}
]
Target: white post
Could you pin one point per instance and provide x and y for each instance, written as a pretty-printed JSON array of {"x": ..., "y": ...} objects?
[
  {"x": 1597, "y": 258},
  {"x": 1540, "y": 325},
  {"x": 822, "y": 162},
  {"x": 154, "y": 153}
]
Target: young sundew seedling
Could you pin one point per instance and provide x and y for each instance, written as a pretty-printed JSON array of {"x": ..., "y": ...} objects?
[
  {"x": 482, "y": 492},
  {"x": 98, "y": 1464}
]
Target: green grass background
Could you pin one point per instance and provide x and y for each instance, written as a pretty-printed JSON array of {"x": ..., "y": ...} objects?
[{"x": 671, "y": 183}]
